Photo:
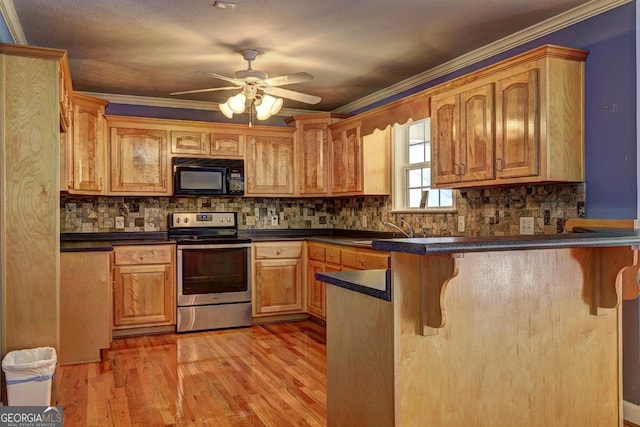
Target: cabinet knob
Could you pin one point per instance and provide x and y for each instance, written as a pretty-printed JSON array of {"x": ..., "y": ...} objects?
[{"x": 499, "y": 164}]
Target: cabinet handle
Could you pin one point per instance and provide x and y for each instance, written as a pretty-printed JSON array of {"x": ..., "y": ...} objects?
[
  {"x": 101, "y": 184},
  {"x": 456, "y": 169},
  {"x": 500, "y": 165},
  {"x": 463, "y": 169}
]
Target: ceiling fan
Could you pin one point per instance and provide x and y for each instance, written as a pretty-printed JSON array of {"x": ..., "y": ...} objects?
[{"x": 258, "y": 89}]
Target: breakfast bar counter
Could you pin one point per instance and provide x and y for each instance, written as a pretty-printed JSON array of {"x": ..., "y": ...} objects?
[{"x": 501, "y": 331}]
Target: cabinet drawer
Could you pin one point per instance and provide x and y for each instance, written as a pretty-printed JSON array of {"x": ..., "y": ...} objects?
[
  {"x": 279, "y": 250},
  {"x": 333, "y": 255},
  {"x": 143, "y": 254},
  {"x": 316, "y": 252},
  {"x": 364, "y": 260}
]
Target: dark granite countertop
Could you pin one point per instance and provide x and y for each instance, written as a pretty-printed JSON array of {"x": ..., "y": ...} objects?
[
  {"x": 439, "y": 245},
  {"x": 375, "y": 283},
  {"x": 80, "y": 242}
]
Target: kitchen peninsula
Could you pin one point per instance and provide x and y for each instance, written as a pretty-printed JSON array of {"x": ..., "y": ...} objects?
[{"x": 507, "y": 331}]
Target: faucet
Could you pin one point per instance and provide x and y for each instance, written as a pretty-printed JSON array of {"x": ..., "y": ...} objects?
[{"x": 404, "y": 233}]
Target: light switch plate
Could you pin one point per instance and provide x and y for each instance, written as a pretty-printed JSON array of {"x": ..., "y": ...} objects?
[
  {"x": 119, "y": 222},
  {"x": 274, "y": 220},
  {"x": 461, "y": 225}
]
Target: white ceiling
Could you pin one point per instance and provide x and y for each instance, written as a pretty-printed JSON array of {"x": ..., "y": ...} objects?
[{"x": 353, "y": 48}]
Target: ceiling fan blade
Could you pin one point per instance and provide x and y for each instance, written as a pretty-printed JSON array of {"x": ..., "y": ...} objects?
[
  {"x": 211, "y": 89},
  {"x": 288, "y": 79},
  {"x": 290, "y": 94},
  {"x": 221, "y": 77}
]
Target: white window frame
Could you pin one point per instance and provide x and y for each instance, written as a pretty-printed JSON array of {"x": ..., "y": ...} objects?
[{"x": 400, "y": 164}]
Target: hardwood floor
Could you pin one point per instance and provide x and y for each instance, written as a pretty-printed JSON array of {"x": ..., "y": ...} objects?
[{"x": 265, "y": 375}]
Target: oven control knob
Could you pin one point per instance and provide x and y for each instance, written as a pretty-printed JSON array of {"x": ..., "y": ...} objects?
[
  {"x": 186, "y": 220},
  {"x": 177, "y": 220}
]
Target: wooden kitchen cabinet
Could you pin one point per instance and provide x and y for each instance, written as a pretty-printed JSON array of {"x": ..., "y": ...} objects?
[
  {"x": 207, "y": 141},
  {"x": 312, "y": 142},
  {"x": 277, "y": 278},
  {"x": 226, "y": 145},
  {"x": 360, "y": 164},
  {"x": 537, "y": 129},
  {"x": 144, "y": 286},
  {"x": 88, "y": 154},
  {"x": 85, "y": 306},
  {"x": 323, "y": 257},
  {"x": 191, "y": 142},
  {"x": 269, "y": 164},
  {"x": 463, "y": 138},
  {"x": 139, "y": 160}
]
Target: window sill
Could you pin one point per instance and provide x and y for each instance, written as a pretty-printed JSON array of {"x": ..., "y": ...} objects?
[{"x": 424, "y": 211}]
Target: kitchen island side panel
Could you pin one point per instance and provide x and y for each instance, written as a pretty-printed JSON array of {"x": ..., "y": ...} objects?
[{"x": 519, "y": 345}]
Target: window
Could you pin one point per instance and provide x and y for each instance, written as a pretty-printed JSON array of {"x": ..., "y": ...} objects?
[{"x": 412, "y": 175}]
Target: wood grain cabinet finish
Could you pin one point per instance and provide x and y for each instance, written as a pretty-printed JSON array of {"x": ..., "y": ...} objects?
[
  {"x": 323, "y": 257},
  {"x": 188, "y": 142},
  {"x": 226, "y": 145},
  {"x": 144, "y": 286},
  {"x": 88, "y": 153},
  {"x": 277, "y": 278},
  {"x": 346, "y": 157},
  {"x": 139, "y": 161},
  {"x": 536, "y": 134},
  {"x": 85, "y": 306},
  {"x": 269, "y": 168}
]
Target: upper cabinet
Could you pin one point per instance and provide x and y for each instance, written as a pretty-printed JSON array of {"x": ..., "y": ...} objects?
[
  {"x": 312, "y": 142},
  {"x": 519, "y": 121},
  {"x": 360, "y": 165},
  {"x": 87, "y": 155},
  {"x": 139, "y": 159},
  {"x": 269, "y": 163}
]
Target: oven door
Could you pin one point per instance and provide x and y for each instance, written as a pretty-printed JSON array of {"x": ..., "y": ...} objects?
[{"x": 213, "y": 274}]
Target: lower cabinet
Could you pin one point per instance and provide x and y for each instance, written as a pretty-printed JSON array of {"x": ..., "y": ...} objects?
[
  {"x": 277, "y": 278},
  {"x": 144, "y": 286},
  {"x": 85, "y": 306},
  {"x": 324, "y": 257}
]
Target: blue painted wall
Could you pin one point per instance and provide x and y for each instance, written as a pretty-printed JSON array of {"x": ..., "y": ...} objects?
[
  {"x": 610, "y": 115},
  {"x": 5, "y": 35}
]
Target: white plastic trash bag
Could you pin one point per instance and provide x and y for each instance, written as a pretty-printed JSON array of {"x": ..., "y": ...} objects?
[{"x": 28, "y": 374}]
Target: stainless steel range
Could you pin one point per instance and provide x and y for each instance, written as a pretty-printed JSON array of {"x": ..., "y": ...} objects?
[{"x": 213, "y": 272}]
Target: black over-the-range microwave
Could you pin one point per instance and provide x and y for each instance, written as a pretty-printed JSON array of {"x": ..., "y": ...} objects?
[{"x": 207, "y": 177}]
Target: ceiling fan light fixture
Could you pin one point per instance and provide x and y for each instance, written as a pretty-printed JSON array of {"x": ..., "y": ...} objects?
[
  {"x": 224, "y": 109},
  {"x": 237, "y": 103}
]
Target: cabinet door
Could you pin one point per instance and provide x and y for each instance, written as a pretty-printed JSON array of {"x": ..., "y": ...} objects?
[
  {"x": 144, "y": 295},
  {"x": 347, "y": 161},
  {"x": 278, "y": 286},
  {"x": 517, "y": 133},
  {"x": 139, "y": 161},
  {"x": 477, "y": 134},
  {"x": 444, "y": 139},
  {"x": 89, "y": 150},
  {"x": 316, "y": 295},
  {"x": 269, "y": 166},
  {"x": 313, "y": 159},
  {"x": 227, "y": 145},
  {"x": 188, "y": 142}
]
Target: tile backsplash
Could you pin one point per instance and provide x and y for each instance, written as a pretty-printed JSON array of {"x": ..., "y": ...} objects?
[{"x": 488, "y": 212}]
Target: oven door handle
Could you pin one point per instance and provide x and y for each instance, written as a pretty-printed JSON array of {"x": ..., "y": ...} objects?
[{"x": 214, "y": 246}]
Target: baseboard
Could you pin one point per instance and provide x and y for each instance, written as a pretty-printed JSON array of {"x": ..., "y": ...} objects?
[{"x": 631, "y": 412}]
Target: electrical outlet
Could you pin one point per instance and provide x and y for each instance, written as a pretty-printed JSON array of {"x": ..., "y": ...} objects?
[
  {"x": 364, "y": 220},
  {"x": 526, "y": 225},
  {"x": 274, "y": 220},
  {"x": 119, "y": 222},
  {"x": 461, "y": 223}
]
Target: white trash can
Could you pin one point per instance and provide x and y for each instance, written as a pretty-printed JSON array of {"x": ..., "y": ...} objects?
[{"x": 28, "y": 374}]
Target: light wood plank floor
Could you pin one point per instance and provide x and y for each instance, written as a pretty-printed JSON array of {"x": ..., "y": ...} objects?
[{"x": 265, "y": 375}]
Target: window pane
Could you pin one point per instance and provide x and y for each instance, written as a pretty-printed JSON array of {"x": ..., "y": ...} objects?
[
  {"x": 416, "y": 132},
  {"x": 427, "y": 149},
  {"x": 416, "y": 154},
  {"x": 426, "y": 177},
  {"x": 415, "y": 178},
  {"x": 414, "y": 197},
  {"x": 446, "y": 198}
]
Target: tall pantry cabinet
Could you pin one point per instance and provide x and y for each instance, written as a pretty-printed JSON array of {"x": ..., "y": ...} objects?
[{"x": 29, "y": 197}]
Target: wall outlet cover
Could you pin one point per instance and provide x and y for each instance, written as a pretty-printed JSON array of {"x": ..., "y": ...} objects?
[
  {"x": 526, "y": 225},
  {"x": 274, "y": 220},
  {"x": 461, "y": 224},
  {"x": 119, "y": 222}
]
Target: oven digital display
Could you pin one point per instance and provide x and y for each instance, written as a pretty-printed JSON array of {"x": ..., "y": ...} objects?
[{"x": 204, "y": 217}]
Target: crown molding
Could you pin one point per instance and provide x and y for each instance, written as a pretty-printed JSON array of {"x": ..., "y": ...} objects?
[
  {"x": 10, "y": 17},
  {"x": 566, "y": 19},
  {"x": 178, "y": 103}
]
